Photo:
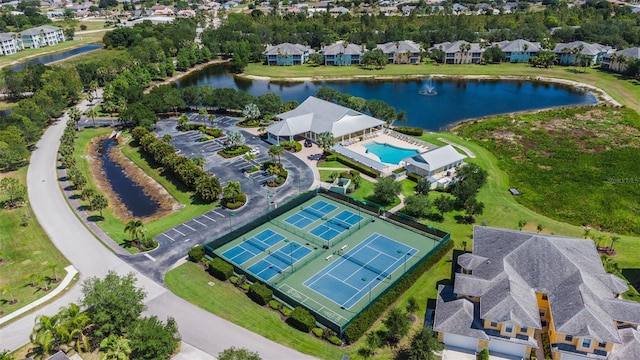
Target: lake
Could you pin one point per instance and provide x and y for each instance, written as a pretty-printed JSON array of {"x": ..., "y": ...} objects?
[
  {"x": 58, "y": 56},
  {"x": 456, "y": 100}
]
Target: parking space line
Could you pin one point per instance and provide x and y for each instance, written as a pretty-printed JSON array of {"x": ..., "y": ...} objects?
[
  {"x": 198, "y": 222},
  {"x": 170, "y": 238},
  {"x": 178, "y": 231},
  {"x": 205, "y": 215},
  {"x": 149, "y": 257},
  {"x": 217, "y": 213},
  {"x": 192, "y": 229},
  {"x": 187, "y": 240}
]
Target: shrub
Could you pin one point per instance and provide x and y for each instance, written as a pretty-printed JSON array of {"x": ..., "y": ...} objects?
[
  {"x": 354, "y": 165},
  {"x": 331, "y": 158},
  {"x": 241, "y": 199},
  {"x": 196, "y": 254},
  {"x": 413, "y": 176},
  {"x": 318, "y": 332},
  {"x": 260, "y": 294},
  {"x": 274, "y": 304},
  {"x": 366, "y": 318},
  {"x": 245, "y": 286},
  {"x": 233, "y": 280},
  {"x": 233, "y": 151},
  {"x": 301, "y": 319},
  {"x": 285, "y": 311},
  {"x": 216, "y": 133},
  {"x": 220, "y": 269},
  {"x": 249, "y": 123},
  {"x": 413, "y": 131},
  {"x": 334, "y": 340},
  {"x": 484, "y": 354}
]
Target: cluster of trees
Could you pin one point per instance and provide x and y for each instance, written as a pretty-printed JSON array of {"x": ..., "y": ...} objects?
[
  {"x": 206, "y": 186},
  {"x": 30, "y": 17},
  {"x": 52, "y": 88},
  {"x": 135, "y": 228},
  {"x": 111, "y": 324},
  {"x": 14, "y": 190},
  {"x": 397, "y": 325},
  {"x": 376, "y": 108}
]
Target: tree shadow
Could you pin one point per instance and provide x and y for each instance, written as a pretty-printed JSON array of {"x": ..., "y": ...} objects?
[
  {"x": 95, "y": 218},
  {"x": 69, "y": 188},
  {"x": 82, "y": 207},
  {"x": 437, "y": 217},
  {"x": 63, "y": 178},
  {"x": 460, "y": 219},
  {"x": 75, "y": 197}
]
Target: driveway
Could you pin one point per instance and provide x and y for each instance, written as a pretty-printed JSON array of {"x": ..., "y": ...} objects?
[
  {"x": 452, "y": 353},
  {"x": 198, "y": 328}
]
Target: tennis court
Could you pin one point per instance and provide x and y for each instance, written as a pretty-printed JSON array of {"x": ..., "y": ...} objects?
[
  {"x": 277, "y": 262},
  {"x": 309, "y": 215},
  {"x": 360, "y": 270},
  {"x": 335, "y": 226},
  {"x": 253, "y": 246}
]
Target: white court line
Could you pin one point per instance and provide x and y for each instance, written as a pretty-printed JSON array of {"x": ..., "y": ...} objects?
[
  {"x": 205, "y": 215},
  {"x": 170, "y": 238},
  {"x": 217, "y": 213},
  {"x": 149, "y": 257},
  {"x": 187, "y": 240},
  {"x": 198, "y": 222},
  {"x": 178, "y": 231},
  {"x": 192, "y": 229}
]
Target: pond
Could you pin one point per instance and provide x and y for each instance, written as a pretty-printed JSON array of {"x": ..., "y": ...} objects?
[
  {"x": 58, "y": 56},
  {"x": 129, "y": 192},
  {"x": 454, "y": 100}
]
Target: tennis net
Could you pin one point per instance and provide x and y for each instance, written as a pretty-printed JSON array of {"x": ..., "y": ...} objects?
[
  {"x": 314, "y": 212},
  {"x": 367, "y": 266},
  {"x": 340, "y": 223},
  {"x": 282, "y": 258},
  {"x": 258, "y": 245}
]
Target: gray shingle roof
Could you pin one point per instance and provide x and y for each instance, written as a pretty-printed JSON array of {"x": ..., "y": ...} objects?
[
  {"x": 631, "y": 52},
  {"x": 36, "y": 30},
  {"x": 59, "y": 356},
  {"x": 518, "y": 45},
  {"x": 286, "y": 48},
  {"x": 470, "y": 261},
  {"x": 456, "y": 316},
  {"x": 588, "y": 49},
  {"x": 630, "y": 347},
  {"x": 339, "y": 48},
  {"x": 401, "y": 47},
  {"x": 6, "y": 36},
  {"x": 454, "y": 47}
]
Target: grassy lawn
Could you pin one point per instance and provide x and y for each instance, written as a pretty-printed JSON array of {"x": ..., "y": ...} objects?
[
  {"x": 112, "y": 225},
  {"x": 91, "y": 56},
  {"x": 364, "y": 192},
  {"x": 27, "y": 251},
  {"x": 625, "y": 91},
  {"x": 332, "y": 164}
]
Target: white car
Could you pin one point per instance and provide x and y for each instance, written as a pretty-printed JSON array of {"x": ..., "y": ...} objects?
[{"x": 254, "y": 151}]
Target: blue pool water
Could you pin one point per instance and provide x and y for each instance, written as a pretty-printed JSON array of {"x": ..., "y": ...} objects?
[{"x": 388, "y": 153}]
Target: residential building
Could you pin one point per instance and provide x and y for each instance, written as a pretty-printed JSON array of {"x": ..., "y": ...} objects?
[
  {"x": 10, "y": 43},
  {"x": 315, "y": 116},
  {"x": 339, "y": 10},
  {"x": 437, "y": 164},
  {"x": 341, "y": 53},
  {"x": 567, "y": 52},
  {"x": 287, "y": 54},
  {"x": 516, "y": 287},
  {"x": 619, "y": 60},
  {"x": 401, "y": 52},
  {"x": 460, "y": 52},
  {"x": 40, "y": 36},
  {"x": 519, "y": 51}
]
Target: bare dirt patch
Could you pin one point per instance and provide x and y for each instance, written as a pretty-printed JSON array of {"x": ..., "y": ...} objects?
[{"x": 166, "y": 203}]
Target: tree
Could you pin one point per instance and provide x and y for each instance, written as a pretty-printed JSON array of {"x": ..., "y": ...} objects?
[
  {"x": 423, "y": 186},
  {"x": 251, "y": 111},
  {"x": 397, "y": 325},
  {"x": 54, "y": 269},
  {"x": 326, "y": 141},
  {"x": 412, "y": 305},
  {"x": 316, "y": 58},
  {"x": 151, "y": 339},
  {"x": 92, "y": 114},
  {"x": 235, "y": 138},
  {"x": 183, "y": 120},
  {"x": 87, "y": 194},
  {"x": 99, "y": 203},
  {"x": 288, "y": 106},
  {"x": 208, "y": 188},
  {"x": 418, "y": 206},
  {"x": 231, "y": 190},
  {"x": 134, "y": 228},
  {"x": 386, "y": 190},
  {"x": 233, "y": 353},
  {"x": 113, "y": 303},
  {"x": 276, "y": 151},
  {"x": 493, "y": 54},
  {"x": 6, "y": 290},
  {"x": 473, "y": 208},
  {"x": 539, "y": 228},
  {"x": 610, "y": 265},
  {"x": 365, "y": 353},
  {"x": 73, "y": 324},
  {"x": 115, "y": 348},
  {"x": 614, "y": 239},
  {"x": 464, "y": 245},
  {"x": 12, "y": 188},
  {"x": 522, "y": 223},
  {"x": 424, "y": 344},
  {"x": 75, "y": 115},
  {"x": 586, "y": 233},
  {"x": 240, "y": 58},
  {"x": 374, "y": 59},
  {"x": 45, "y": 335}
]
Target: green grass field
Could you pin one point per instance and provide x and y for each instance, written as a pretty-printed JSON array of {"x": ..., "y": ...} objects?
[
  {"x": 26, "y": 251},
  {"x": 364, "y": 192}
]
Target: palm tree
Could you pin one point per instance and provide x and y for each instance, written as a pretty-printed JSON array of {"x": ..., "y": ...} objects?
[
  {"x": 92, "y": 114},
  {"x": 74, "y": 323},
  {"x": 182, "y": 121},
  {"x": 7, "y": 290},
  {"x": 326, "y": 141},
  {"x": 45, "y": 334},
  {"x": 200, "y": 162},
  {"x": 276, "y": 150},
  {"x": 231, "y": 190},
  {"x": 99, "y": 202},
  {"x": 134, "y": 228},
  {"x": 586, "y": 233},
  {"x": 115, "y": 348},
  {"x": 54, "y": 268},
  {"x": 614, "y": 239},
  {"x": 75, "y": 115}
]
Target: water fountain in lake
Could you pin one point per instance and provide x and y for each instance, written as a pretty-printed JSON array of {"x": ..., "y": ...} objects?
[{"x": 428, "y": 89}]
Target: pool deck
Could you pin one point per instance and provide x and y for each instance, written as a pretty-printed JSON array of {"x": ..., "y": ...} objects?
[{"x": 359, "y": 147}]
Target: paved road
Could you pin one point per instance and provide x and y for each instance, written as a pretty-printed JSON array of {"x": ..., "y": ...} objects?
[{"x": 197, "y": 327}]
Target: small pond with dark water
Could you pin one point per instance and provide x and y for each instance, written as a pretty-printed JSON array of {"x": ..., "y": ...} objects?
[
  {"x": 456, "y": 99},
  {"x": 130, "y": 192},
  {"x": 58, "y": 56}
]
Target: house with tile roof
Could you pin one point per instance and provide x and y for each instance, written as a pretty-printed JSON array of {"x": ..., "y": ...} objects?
[
  {"x": 401, "y": 52},
  {"x": 619, "y": 60},
  {"x": 516, "y": 287},
  {"x": 342, "y": 53},
  {"x": 40, "y": 36},
  {"x": 287, "y": 54},
  {"x": 10, "y": 43},
  {"x": 566, "y": 52},
  {"x": 460, "y": 52},
  {"x": 315, "y": 116},
  {"x": 519, "y": 51}
]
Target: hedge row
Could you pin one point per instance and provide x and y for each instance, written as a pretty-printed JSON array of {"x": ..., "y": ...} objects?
[
  {"x": 233, "y": 152},
  {"x": 293, "y": 146},
  {"x": 413, "y": 176},
  {"x": 260, "y": 293},
  {"x": 301, "y": 319},
  {"x": 354, "y": 165},
  {"x": 413, "y": 131},
  {"x": 196, "y": 254},
  {"x": 216, "y": 133},
  {"x": 366, "y": 318},
  {"x": 241, "y": 199},
  {"x": 220, "y": 269}
]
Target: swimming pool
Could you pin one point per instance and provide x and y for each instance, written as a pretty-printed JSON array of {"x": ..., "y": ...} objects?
[{"x": 388, "y": 153}]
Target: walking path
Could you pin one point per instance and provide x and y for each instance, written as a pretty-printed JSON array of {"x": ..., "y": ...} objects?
[{"x": 465, "y": 149}]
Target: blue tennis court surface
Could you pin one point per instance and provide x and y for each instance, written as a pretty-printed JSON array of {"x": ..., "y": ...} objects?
[
  {"x": 278, "y": 261},
  {"x": 359, "y": 271},
  {"x": 253, "y": 246},
  {"x": 309, "y": 215},
  {"x": 335, "y": 226}
]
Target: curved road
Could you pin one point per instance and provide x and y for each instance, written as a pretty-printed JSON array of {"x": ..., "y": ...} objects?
[{"x": 198, "y": 328}]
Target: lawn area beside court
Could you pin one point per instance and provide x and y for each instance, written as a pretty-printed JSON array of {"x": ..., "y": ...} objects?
[
  {"x": 623, "y": 90},
  {"x": 26, "y": 251},
  {"x": 364, "y": 192},
  {"x": 112, "y": 225}
]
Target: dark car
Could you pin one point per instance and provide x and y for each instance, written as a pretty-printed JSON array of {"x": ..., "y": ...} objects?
[{"x": 307, "y": 143}]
